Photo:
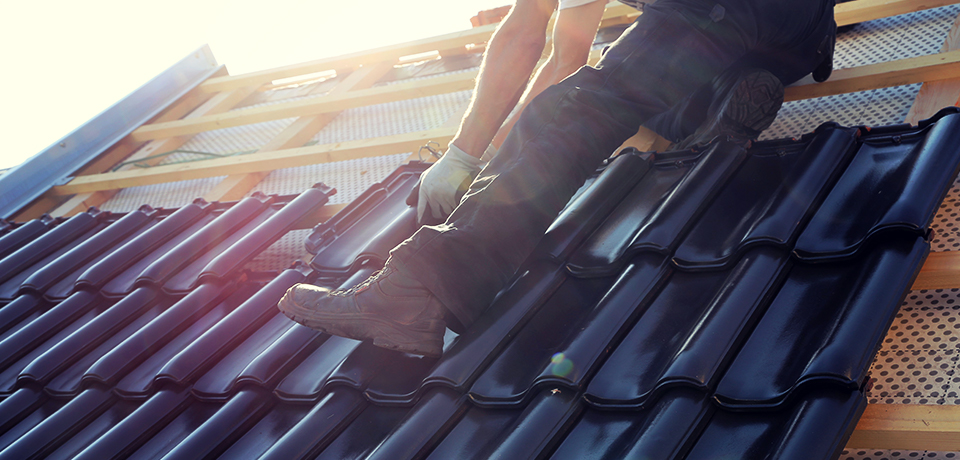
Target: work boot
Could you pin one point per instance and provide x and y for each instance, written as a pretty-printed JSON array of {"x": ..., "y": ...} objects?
[
  {"x": 392, "y": 310},
  {"x": 745, "y": 104}
]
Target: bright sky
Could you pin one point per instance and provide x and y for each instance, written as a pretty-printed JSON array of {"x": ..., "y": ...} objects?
[{"x": 66, "y": 61}]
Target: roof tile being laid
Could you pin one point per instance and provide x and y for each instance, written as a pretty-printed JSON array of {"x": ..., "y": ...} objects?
[
  {"x": 669, "y": 312},
  {"x": 368, "y": 229}
]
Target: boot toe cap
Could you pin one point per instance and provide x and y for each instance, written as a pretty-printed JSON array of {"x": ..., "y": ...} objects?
[{"x": 305, "y": 295}]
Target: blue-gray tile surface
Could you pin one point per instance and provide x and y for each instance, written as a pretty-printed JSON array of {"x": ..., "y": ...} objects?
[{"x": 717, "y": 304}]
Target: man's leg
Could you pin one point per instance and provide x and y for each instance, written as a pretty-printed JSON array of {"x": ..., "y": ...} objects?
[
  {"x": 561, "y": 138},
  {"x": 673, "y": 49}
]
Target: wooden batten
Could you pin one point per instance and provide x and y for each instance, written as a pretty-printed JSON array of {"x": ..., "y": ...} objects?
[
  {"x": 297, "y": 134},
  {"x": 940, "y": 271},
  {"x": 314, "y": 106},
  {"x": 936, "y": 95},
  {"x": 935, "y": 67},
  {"x": 257, "y": 162},
  {"x": 868, "y": 10},
  {"x": 908, "y": 427}
]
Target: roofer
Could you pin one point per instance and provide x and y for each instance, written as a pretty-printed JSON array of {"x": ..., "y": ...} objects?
[{"x": 687, "y": 68}]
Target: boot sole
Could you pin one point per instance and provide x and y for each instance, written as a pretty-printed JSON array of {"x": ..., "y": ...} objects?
[
  {"x": 750, "y": 108},
  {"x": 756, "y": 102},
  {"x": 415, "y": 339}
]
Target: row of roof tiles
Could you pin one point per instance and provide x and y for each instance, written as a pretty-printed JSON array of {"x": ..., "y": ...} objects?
[{"x": 683, "y": 304}]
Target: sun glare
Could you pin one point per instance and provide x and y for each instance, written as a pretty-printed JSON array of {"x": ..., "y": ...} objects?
[{"x": 75, "y": 59}]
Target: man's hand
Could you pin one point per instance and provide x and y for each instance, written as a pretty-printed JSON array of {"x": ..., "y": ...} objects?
[{"x": 442, "y": 184}]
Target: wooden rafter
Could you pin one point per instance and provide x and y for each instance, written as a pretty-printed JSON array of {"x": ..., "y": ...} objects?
[
  {"x": 846, "y": 13},
  {"x": 940, "y": 271},
  {"x": 938, "y": 94},
  {"x": 868, "y": 10},
  {"x": 331, "y": 103},
  {"x": 235, "y": 186},
  {"x": 455, "y": 40},
  {"x": 219, "y": 103},
  {"x": 933, "y": 67},
  {"x": 908, "y": 427},
  {"x": 257, "y": 162}
]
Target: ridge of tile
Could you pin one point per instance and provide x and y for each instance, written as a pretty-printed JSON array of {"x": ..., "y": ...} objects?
[
  {"x": 92, "y": 340},
  {"x": 433, "y": 415},
  {"x": 319, "y": 427},
  {"x": 895, "y": 173},
  {"x": 16, "y": 407},
  {"x": 280, "y": 357},
  {"x": 14, "y": 267},
  {"x": 27, "y": 338},
  {"x": 666, "y": 429},
  {"x": 47, "y": 436},
  {"x": 122, "y": 439},
  {"x": 164, "y": 268},
  {"x": 87, "y": 251},
  {"x": 539, "y": 428},
  {"x": 188, "y": 323},
  {"x": 225, "y": 376},
  {"x": 588, "y": 209},
  {"x": 563, "y": 342},
  {"x": 789, "y": 180},
  {"x": 18, "y": 237},
  {"x": 212, "y": 437},
  {"x": 307, "y": 381},
  {"x": 121, "y": 259},
  {"x": 361, "y": 437},
  {"x": 137, "y": 348},
  {"x": 817, "y": 425},
  {"x": 465, "y": 357},
  {"x": 17, "y": 311}
]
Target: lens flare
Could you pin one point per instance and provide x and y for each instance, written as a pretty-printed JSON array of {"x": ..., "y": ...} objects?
[{"x": 560, "y": 365}]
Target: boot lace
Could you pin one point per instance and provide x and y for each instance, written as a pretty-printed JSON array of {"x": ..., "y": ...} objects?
[{"x": 375, "y": 277}]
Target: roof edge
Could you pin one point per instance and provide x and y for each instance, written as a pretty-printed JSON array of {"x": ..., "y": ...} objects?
[{"x": 29, "y": 180}]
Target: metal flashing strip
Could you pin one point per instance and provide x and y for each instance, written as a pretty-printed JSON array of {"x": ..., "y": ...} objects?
[{"x": 56, "y": 163}]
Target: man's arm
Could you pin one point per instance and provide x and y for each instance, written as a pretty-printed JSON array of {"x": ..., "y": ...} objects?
[
  {"x": 512, "y": 54},
  {"x": 573, "y": 36}
]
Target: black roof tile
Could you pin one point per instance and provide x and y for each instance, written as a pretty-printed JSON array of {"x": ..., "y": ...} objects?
[
  {"x": 785, "y": 181},
  {"x": 15, "y": 238},
  {"x": 686, "y": 304}
]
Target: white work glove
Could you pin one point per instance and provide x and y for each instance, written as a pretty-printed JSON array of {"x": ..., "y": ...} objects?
[{"x": 442, "y": 183}]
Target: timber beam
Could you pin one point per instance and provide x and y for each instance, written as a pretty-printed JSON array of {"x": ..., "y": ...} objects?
[
  {"x": 257, "y": 162},
  {"x": 868, "y": 10},
  {"x": 908, "y": 427},
  {"x": 846, "y": 13},
  {"x": 475, "y": 36},
  {"x": 934, "y": 67},
  {"x": 314, "y": 106},
  {"x": 930, "y": 68},
  {"x": 940, "y": 271}
]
